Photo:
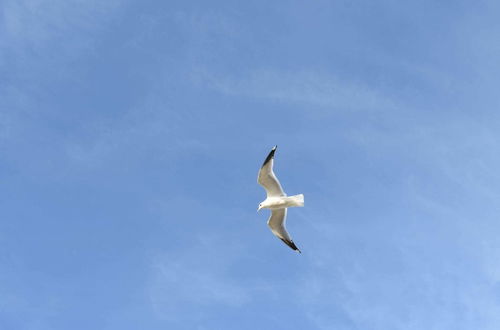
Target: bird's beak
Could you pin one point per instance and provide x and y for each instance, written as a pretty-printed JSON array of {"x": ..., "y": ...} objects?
[{"x": 259, "y": 209}]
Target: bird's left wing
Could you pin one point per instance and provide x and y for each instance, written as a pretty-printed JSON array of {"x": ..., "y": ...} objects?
[
  {"x": 277, "y": 224},
  {"x": 268, "y": 179}
]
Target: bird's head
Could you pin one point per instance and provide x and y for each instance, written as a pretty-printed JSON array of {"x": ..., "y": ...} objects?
[{"x": 260, "y": 207}]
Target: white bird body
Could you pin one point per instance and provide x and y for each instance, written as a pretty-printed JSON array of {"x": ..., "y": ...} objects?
[{"x": 277, "y": 201}]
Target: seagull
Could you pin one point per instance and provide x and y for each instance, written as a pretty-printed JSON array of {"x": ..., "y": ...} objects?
[{"x": 277, "y": 201}]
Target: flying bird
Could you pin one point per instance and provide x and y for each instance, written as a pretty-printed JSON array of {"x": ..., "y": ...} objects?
[{"x": 277, "y": 201}]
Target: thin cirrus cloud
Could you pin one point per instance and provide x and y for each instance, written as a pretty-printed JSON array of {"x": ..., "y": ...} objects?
[
  {"x": 301, "y": 87},
  {"x": 34, "y": 25},
  {"x": 181, "y": 282}
]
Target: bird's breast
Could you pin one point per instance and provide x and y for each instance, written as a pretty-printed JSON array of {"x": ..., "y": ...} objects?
[{"x": 277, "y": 203}]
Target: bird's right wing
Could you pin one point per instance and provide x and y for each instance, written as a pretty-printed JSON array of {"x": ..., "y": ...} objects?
[
  {"x": 267, "y": 179},
  {"x": 277, "y": 224}
]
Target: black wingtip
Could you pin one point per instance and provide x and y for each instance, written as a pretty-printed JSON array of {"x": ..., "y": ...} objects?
[
  {"x": 270, "y": 156},
  {"x": 291, "y": 244}
]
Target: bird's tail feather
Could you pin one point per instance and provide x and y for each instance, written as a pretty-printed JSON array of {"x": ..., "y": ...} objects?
[{"x": 298, "y": 200}]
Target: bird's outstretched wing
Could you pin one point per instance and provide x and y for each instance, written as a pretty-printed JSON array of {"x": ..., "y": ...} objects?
[
  {"x": 267, "y": 179},
  {"x": 277, "y": 224}
]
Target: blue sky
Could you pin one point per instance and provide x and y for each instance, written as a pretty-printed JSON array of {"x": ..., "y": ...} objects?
[{"x": 131, "y": 134}]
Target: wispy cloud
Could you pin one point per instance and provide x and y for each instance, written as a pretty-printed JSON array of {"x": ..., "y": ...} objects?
[
  {"x": 38, "y": 41},
  {"x": 196, "y": 279},
  {"x": 31, "y": 27},
  {"x": 307, "y": 88},
  {"x": 401, "y": 283}
]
